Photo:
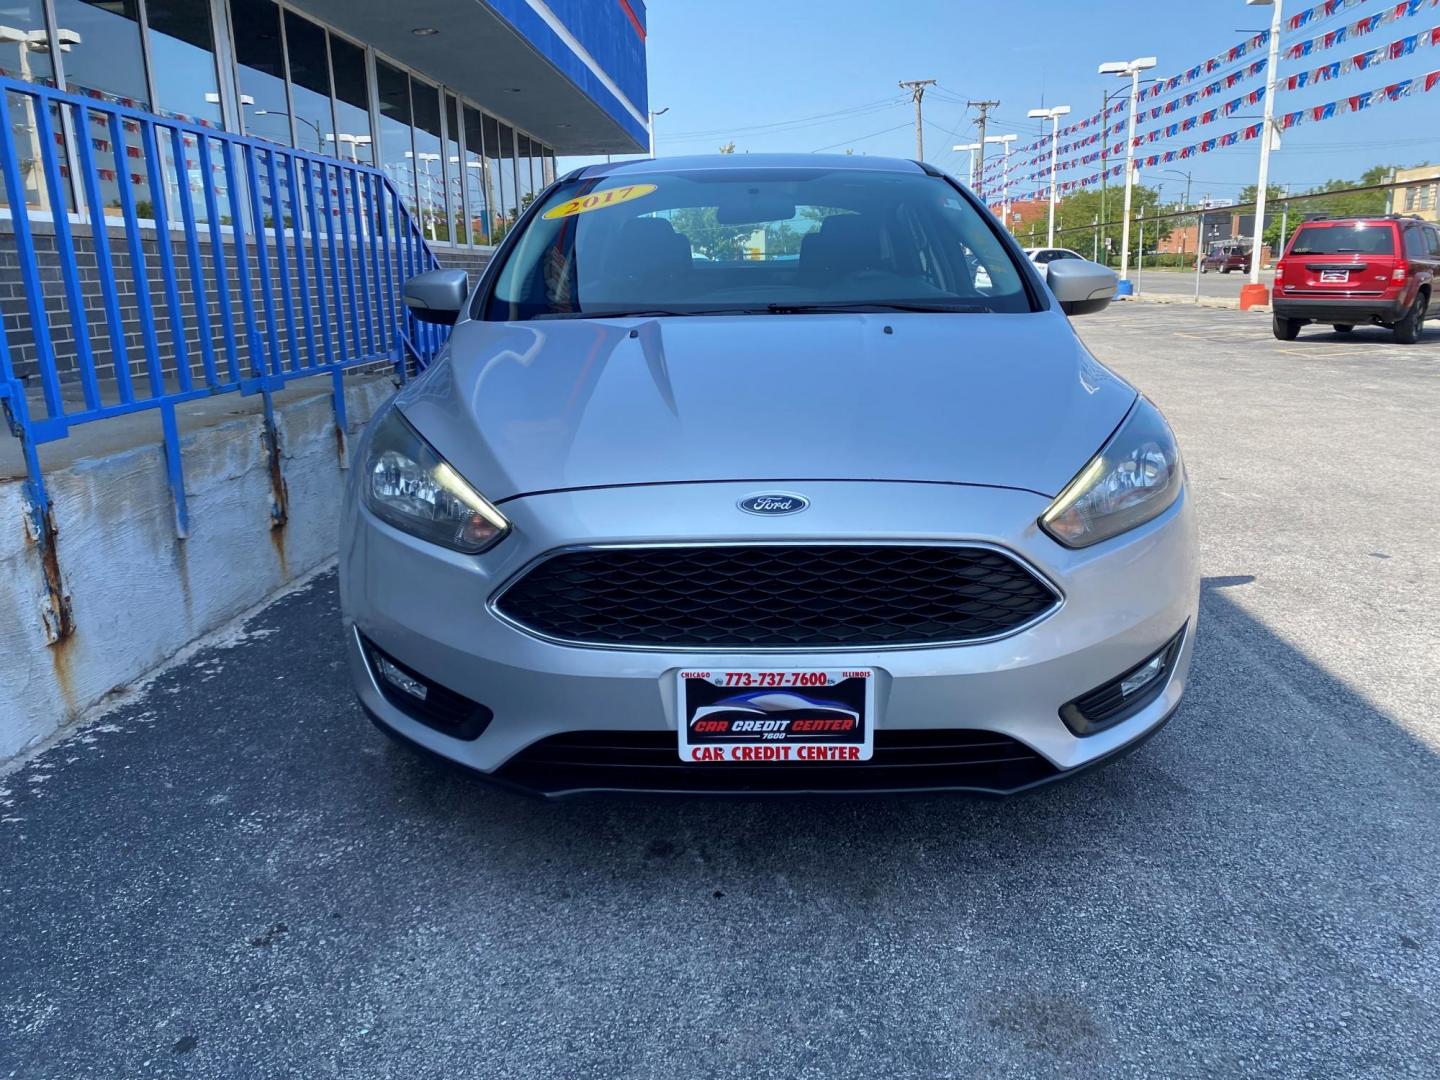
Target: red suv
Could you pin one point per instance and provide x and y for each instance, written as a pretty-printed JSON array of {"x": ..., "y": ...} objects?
[
  {"x": 1225, "y": 258},
  {"x": 1359, "y": 270}
]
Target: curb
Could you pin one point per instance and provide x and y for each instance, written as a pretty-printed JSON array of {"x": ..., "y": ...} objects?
[{"x": 1204, "y": 302}]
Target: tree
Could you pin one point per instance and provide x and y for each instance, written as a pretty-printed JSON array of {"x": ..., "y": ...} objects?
[
  {"x": 1275, "y": 215},
  {"x": 728, "y": 148},
  {"x": 1341, "y": 204},
  {"x": 1076, "y": 215},
  {"x": 723, "y": 243}
]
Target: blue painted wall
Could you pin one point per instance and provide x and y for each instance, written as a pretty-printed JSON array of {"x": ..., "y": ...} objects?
[{"x": 605, "y": 31}]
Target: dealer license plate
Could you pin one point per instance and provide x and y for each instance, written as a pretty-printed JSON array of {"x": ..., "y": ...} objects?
[
  {"x": 1335, "y": 277},
  {"x": 776, "y": 717}
]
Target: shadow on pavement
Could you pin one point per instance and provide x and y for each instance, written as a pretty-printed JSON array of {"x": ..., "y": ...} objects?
[{"x": 1252, "y": 892}]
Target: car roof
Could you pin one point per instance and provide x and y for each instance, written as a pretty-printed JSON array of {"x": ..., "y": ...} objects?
[
  {"x": 717, "y": 162},
  {"x": 1378, "y": 219}
]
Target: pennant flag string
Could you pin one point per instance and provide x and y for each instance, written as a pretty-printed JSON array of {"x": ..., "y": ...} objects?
[{"x": 1313, "y": 114}]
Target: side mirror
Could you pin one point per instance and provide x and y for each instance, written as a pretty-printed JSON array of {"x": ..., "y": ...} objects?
[
  {"x": 437, "y": 296},
  {"x": 1082, "y": 287}
]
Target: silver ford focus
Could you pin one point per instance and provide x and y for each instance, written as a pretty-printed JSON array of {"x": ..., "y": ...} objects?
[{"x": 767, "y": 474}]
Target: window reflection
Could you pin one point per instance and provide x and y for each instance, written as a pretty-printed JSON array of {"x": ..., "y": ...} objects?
[
  {"x": 103, "y": 60},
  {"x": 352, "y": 101},
  {"x": 397, "y": 154},
  {"x": 524, "y": 184},
  {"x": 182, "y": 55},
  {"x": 429, "y": 160},
  {"x": 106, "y": 61},
  {"x": 25, "y": 54},
  {"x": 309, "y": 84},
  {"x": 477, "y": 178},
  {"x": 454, "y": 169},
  {"x": 24, "y": 47},
  {"x": 505, "y": 141},
  {"x": 260, "y": 64}
]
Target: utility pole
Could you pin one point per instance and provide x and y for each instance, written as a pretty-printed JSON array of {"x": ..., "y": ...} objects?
[
  {"x": 917, "y": 91},
  {"x": 984, "y": 107}
]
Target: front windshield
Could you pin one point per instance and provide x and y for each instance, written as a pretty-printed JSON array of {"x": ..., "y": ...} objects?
[{"x": 756, "y": 240}]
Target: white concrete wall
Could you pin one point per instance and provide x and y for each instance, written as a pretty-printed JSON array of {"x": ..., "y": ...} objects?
[{"x": 139, "y": 594}]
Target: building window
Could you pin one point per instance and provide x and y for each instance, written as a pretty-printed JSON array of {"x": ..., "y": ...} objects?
[
  {"x": 106, "y": 61},
  {"x": 454, "y": 170},
  {"x": 505, "y": 169},
  {"x": 24, "y": 45},
  {"x": 495, "y": 195},
  {"x": 397, "y": 153},
  {"x": 429, "y": 160},
  {"x": 352, "y": 101},
  {"x": 309, "y": 84},
  {"x": 260, "y": 65},
  {"x": 479, "y": 196},
  {"x": 524, "y": 162},
  {"x": 182, "y": 59},
  {"x": 25, "y": 54}
]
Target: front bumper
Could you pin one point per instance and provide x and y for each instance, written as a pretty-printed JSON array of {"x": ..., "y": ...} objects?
[
  {"x": 1339, "y": 310},
  {"x": 992, "y": 707}
]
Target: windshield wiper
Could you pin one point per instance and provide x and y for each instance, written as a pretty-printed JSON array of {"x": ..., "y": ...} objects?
[{"x": 864, "y": 306}]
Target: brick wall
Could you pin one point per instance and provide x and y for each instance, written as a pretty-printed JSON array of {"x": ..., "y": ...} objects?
[
  {"x": 464, "y": 259},
  {"x": 307, "y": 321}
]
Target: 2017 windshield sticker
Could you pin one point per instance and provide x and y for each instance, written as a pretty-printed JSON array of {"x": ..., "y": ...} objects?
[{"x": 599, "y": 200}]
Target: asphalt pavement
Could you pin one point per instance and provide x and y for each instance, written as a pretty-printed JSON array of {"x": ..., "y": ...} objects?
[
  {"x": 1213, "y": 286},
  {"x": 235, "y": 875}
]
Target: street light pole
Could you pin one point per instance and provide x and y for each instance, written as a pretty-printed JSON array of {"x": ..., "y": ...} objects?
[
  {"x": 1255, "y": 293},
  {"x": 970, "y": 169},
  {"x": 320, "y": 136},
  {"x": 1005, "y": 141},
  {"x": 654, "y": 113},
  {"x": 1053, "y": 115},
  {"x": 1132, "y": 68}
]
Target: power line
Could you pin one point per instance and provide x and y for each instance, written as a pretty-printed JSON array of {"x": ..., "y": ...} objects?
[
  {"x": 818, "y": 118},
  {"x": 860, "y": 138}
]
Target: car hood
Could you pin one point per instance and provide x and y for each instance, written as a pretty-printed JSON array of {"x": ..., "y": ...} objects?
[{"x": 1001, "y": 400}]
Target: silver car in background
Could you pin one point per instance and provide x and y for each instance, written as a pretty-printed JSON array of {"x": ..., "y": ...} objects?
[{"x": 767, "y": 474}]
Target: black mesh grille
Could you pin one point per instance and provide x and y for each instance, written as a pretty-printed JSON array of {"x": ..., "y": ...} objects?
[
  {"x": 903, "y": 761},
  {"x": 776, "y": 597}
]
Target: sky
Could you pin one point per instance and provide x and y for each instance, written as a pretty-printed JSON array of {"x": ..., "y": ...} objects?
[{"x": 807, "y": 75}]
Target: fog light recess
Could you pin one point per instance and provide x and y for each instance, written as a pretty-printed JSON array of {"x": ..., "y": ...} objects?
[
  {"x": 1124, "y": 696},
  {"x": 423, "y": 700}
]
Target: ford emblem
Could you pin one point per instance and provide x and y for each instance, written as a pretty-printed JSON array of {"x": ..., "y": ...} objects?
[{"x": 774, "y": 504}]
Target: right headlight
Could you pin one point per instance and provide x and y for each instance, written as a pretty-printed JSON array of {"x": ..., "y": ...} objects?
[
  {"x": 1135, "y": 477},
  {"x": 410, "y": 486}
]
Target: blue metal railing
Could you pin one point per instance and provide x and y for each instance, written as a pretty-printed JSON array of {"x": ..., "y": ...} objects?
[{"x": 191, "y": 262}]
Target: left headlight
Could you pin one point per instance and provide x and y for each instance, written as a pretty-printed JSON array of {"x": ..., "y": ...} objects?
[
  {"x": 1134, "y": 478},
  {"x": 408, "y": 485}
]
